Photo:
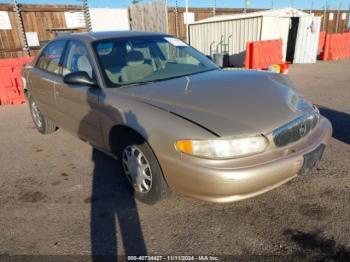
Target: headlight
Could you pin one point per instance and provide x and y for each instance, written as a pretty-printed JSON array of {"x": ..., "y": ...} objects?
[{"x": 223, "y": 148}]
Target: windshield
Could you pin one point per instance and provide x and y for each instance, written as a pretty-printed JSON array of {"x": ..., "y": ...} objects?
[{"x": 136, "y": 60}]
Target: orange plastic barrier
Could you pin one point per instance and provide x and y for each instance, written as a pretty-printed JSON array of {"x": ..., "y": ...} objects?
[
  {"x": 11, "y": 91},
  {"x": 262, "y": 54},
  {"x": 337, "y": 46}
]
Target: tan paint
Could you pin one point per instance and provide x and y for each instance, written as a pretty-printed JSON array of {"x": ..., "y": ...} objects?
[{"x": 203, "y": 106}]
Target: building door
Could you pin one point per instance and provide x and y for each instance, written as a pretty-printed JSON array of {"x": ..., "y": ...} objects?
[{"x": 307, "y": 40}]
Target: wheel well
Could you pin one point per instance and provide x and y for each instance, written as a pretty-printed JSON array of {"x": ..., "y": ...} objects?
[
  {"x": 26, "y": 92},
  {"x": 120, "y": 132}
]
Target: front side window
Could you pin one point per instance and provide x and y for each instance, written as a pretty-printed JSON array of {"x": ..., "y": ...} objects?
[
  {"x": 77, "y": 59},
  {"x": 149, "y": 58},
  {"x": 50, "y": 57}
]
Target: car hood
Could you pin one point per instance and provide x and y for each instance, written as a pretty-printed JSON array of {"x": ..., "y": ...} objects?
[{"x": 229, "y": 103}]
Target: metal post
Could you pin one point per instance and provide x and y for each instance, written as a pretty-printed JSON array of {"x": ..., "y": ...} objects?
[
  {"x": 21, "y": 28},
  {"x": 187, "y": 21},
  {"x": 272, "y": 4},
  {"x": 338, "y": 14},
  {"x": 167, "y": 16},
  {"x": 176, "y": 19},
  {"x": 87, "y": 15},
  {"x": 349, "y": 18},
  {"x": 312, "y": 6},
  {"x": 245, "y": 6},
  {"x": 214, "y": 8},
  {"x": 324, "y": 16}
]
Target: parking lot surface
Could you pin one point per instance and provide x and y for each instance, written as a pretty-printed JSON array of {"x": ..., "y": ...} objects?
[{"x": 60, "y": 198}]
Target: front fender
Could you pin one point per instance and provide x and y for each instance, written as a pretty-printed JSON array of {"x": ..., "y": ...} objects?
[{"x": 160, "y": 128}]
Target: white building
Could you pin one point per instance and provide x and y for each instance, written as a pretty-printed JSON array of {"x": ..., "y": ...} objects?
[{"x": 298, "y": 30}]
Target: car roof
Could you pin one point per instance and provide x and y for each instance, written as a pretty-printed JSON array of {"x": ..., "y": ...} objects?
[{"x": 93, "y": 36}]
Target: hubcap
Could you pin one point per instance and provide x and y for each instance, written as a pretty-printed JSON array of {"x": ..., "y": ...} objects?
[
  {"x": 36, "y": 114},
  {"x": 137, "y": 169}
]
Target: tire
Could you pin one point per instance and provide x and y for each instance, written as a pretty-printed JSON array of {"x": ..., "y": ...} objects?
[
  {"x": 42, "y": 123},
  {"x": 158, "y": 188}
]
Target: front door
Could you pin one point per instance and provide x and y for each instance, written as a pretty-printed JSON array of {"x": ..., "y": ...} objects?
[{"x": 78, "y": 104}]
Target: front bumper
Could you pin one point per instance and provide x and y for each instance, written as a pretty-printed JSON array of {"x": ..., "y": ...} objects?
[{"x": 233, "y": 180}]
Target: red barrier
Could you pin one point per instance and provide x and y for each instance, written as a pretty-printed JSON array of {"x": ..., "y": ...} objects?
[
  {"x": 11, "y": 91},
  {"x": 262, "y": 54},
  {"x": 337, "y": 46}
]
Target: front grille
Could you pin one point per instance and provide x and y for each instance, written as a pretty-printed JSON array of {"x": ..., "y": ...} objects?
[{"x": 296, "y": 129}]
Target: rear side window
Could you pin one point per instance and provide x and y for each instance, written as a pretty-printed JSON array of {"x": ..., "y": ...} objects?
[{"x": 50, "y": 58}]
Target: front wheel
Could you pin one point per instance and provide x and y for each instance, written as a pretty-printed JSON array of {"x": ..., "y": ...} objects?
[
  {"x": 141, "y": 169},
  {"x": 42, "y": 123}
]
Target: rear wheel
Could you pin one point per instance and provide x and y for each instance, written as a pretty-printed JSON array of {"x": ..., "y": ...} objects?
[
  {"x": 42, "y": 123},
  {"x": 141, "y": 169}
]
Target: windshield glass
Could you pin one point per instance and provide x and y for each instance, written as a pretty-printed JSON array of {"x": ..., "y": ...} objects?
[{"x": 133, "y": 60}]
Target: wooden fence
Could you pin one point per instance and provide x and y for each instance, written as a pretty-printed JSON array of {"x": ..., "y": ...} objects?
[
  {"x": 154, "y": 16},
  {"x": 199, "y": 14},
  {"x": 43, "y": 19},
  {"x": 150, "y": 17}
]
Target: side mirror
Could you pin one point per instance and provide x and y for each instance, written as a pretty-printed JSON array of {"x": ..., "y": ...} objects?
[{"x": 79, "y": 78}]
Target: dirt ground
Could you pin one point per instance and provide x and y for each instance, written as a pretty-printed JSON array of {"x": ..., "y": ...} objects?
[{"x": 61, "y": 200}]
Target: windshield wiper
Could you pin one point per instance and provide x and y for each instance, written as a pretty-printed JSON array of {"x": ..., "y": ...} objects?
[
  {"x": 138, "y": 83},
  {"x": 165, "y": 79},
  {"x": 200, "y": 72}
]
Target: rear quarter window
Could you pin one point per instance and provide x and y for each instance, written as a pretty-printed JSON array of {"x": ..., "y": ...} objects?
[{"x": 49, "y": 59}]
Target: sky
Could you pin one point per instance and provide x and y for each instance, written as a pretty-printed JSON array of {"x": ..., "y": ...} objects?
[{"x": 301, "y": 4}]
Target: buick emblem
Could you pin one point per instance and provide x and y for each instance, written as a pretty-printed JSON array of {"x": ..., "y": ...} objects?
[{"x": 302, "y": 130}]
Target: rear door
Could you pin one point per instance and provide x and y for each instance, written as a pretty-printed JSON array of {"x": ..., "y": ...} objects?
[
  {"x": 44, "y": 76},
  {"x": 78, "y": 104}
]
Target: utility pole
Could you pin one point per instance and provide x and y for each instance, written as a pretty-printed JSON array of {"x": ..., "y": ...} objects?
[
  {"x": 312, "y": 6},
  {"x": 176, "y": 19},
  {"x": 324, "y": 15},
  {"x": 214, "y": 8},
  {"x": 245, "y": 5},
  {"x": 338, "y": 14},
  {"x": 21, "y": 28},
  {"x": 272, "y": 4},
  {"x": 349, "y": 18},
  {"x": 166, "y": 15},
  {"x": 187, "y": 21}
]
